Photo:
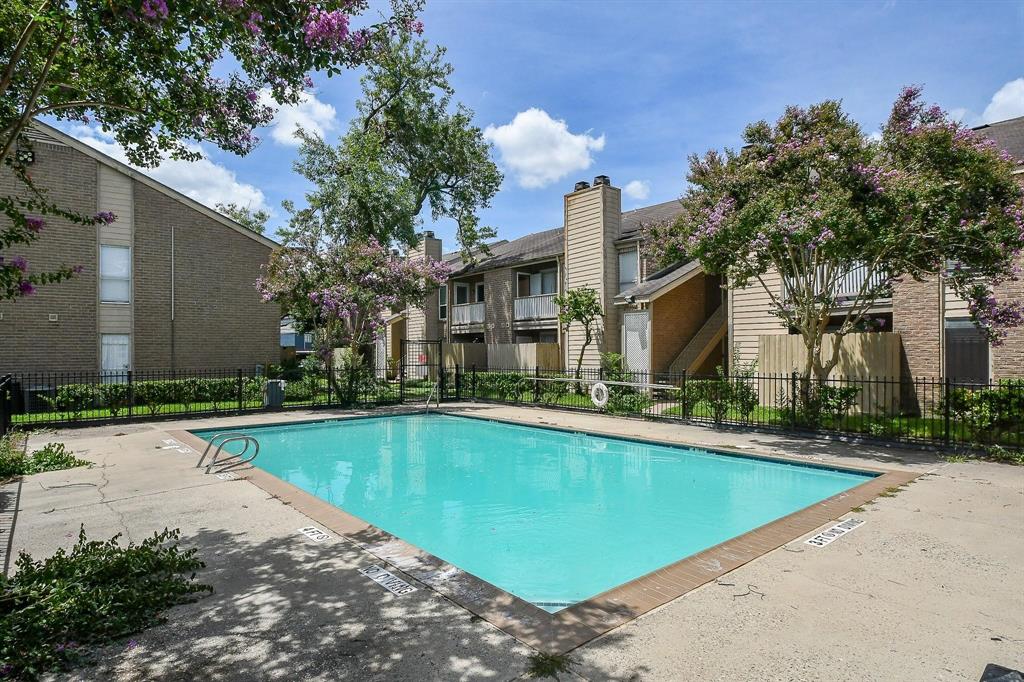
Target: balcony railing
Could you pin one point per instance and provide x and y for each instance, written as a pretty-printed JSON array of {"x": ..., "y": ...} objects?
[
  {"x": 541, "y": 307},
  {"x": 850, "y": 285},
  {"x": 468, "y": 313}
]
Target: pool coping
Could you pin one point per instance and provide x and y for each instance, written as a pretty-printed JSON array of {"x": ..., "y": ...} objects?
[{"x": 573, "y": 626}]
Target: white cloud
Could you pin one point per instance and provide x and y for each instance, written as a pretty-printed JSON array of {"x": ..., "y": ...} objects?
[
  {"x": 1008, "y": 102},
  {"x": 540, "y": 150},
  {"x": 203, "y": 180},
  {"x": 310, "y": 113},
  {"x": 637, "y": 189}
]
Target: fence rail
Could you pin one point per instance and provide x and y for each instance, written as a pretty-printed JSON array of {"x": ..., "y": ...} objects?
[{"x": 898, "y": 409}]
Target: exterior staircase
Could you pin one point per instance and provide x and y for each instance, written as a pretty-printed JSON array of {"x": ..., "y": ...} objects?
[{"x": 702, "y": 343}]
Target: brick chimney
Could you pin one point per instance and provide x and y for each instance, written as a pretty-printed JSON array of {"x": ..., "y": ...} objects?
[{"x": 593, "y": 221}]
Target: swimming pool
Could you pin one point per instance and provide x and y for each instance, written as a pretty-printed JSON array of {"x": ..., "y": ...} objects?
[{"x": 551, "y": 516}]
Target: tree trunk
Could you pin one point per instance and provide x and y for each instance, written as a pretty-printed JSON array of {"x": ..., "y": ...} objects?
[{"x": 579, "y": 361}]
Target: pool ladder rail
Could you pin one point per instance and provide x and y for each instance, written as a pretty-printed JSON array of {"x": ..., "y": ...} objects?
[
  {"x": 435, "y": 395},
  {"x": 231, "y": 460}
]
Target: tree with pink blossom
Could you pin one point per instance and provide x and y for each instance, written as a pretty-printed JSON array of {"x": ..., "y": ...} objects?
[
  {"x": 159, "y": 75},
  {"x": 842, "y": 217},
  {"x": 409, "y": 152}
]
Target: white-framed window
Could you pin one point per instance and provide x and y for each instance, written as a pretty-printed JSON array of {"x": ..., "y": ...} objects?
[
  {"x": 537, "y": 283},
  {"x": 461, "y": 294},
  {"x": 442, "y": 302},
  {"x": 115, "y": 274},
  {"x": 115, "y": 354},
  {"x": 479, "y": 292},
  {"x": 629, "y": 269}
]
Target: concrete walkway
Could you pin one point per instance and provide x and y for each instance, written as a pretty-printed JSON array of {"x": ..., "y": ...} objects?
[{"x": 931, "y": 587}]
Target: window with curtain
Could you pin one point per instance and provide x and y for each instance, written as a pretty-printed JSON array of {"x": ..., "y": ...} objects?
[
  {"x": 115, "y": 274},
  {"x": 629, "y": 268},
  {"x": 115, "y": 353}
]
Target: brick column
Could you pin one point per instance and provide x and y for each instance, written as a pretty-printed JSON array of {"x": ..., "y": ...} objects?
[
  {"x": 917, "y": 317},
  {"x": 499, "y": 292}
]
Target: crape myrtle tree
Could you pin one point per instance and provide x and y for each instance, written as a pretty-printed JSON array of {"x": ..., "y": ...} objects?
[
  {"x": 580, "y": 306},
  {"x": 408, "y": 151},
  {"x": 157, "y": 75},
  {"x": 813, "y": 199}
]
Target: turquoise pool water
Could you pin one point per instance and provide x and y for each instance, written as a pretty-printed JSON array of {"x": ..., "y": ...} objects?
[{"x": 550, "y": 516}]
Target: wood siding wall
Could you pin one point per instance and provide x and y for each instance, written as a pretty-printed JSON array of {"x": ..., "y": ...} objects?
[
  {"x": 750, "y": 318},
  {"x": 523, "y": 356}
]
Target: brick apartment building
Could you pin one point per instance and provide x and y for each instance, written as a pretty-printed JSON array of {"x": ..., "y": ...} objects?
[{"x": 168, "y": 286}]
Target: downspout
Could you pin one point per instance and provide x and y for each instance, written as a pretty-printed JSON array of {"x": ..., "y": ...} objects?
[{"x": 942, "y": 322}]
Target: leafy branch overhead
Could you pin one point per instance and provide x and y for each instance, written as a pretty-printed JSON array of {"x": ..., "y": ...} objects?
[
  {"x": 841, "y": 218},
  {"x": 158, "y": 77},
  {"x": 408, "y": 147}
]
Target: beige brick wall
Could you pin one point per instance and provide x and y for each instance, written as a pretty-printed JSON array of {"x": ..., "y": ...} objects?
[
  {"x": 917, "y": 318},
  {"x": 28, "y": 340},
  {"x": 499, "y": 295},
  {"x": 219, "y": 320}
]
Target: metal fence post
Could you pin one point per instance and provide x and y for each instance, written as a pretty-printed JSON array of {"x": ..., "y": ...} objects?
[
  {"x": 536, "y": 383},
  {"x": 792, "y": 395},
  {"x": 401, "y": 377},
  {"x": 5, "y": 404},
  {"x": 473, "y": 387},
  {"x": 441, "y": 380},
  {"x": 239, "y": 389},
  {"x": 131, "y": 395},
  {"x": 682, "y": 397},
  {"x": 458, "y": 382},
  {"x": 329, "y": 375},
  {"x": 945, "y": 412}
]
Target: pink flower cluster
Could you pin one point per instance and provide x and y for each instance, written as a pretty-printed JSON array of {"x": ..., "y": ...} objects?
[
  {"x": 714, "y": 220},
  {"x": 994, "y": 317},
  {"x": 154, "y": 10},
  {"x": 324, "y": 28}
]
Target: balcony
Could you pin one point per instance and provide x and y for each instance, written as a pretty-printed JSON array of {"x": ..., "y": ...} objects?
[
  {"x": 468, "y": 313},
  {"x": 850, "y": 286},
  {"x": 540, "y": 307}
]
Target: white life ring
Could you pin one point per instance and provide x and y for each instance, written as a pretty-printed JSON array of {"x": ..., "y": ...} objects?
[{"x": 599, "y": 394}]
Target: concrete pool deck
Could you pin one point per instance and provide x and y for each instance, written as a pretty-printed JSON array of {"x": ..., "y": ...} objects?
[{"x": 932, "y": 586}]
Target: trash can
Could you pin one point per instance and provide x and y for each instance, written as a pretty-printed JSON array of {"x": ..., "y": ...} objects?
[{"x": 273, "y": 393}]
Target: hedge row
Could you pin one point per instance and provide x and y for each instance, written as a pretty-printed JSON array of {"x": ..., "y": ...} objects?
[{"x": 118, "y": 397}]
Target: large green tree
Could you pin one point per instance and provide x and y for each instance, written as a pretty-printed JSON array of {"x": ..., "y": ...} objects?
[
  {"x": 580, "y": 306},
  {"x": 843, "y": 217},
  {"x": 159, "y": 75},
  {"x": 408, "y": 150},
  {"x": 250, "y": 219}
]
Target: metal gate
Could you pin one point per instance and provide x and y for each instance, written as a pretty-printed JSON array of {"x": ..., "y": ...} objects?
[
  {"x": 421, "y": 370},
  {"x": 636, "y": 340}
]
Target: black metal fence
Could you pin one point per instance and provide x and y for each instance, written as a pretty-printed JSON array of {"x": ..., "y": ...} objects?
[
  {"x": 886, "y": 408},
  {"x": 37, "y": 399},
  {"x": 919, "y": 410}
]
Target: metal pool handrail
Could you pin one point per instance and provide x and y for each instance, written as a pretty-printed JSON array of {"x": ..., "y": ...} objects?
[{"x": 233, "y": 460}]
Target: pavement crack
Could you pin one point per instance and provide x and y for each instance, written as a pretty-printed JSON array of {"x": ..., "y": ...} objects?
[{"x": 107, "y": 503}]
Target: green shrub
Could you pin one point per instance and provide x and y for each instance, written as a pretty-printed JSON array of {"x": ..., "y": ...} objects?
[
  {"x": 73, "y": 398},
  {"x": 152, "y": 394},
  {"x": 219, "y": 391},
  {"x": 508, "y": 386},
  {"x": 836, "y": 401},
  {"x": 627, "y": 403},
  {"x": 114, "y": 397},
  {"x": 988, "y": 413},
  {"x": 51, "y": 457},
  {"x": 55, "y": 611}
]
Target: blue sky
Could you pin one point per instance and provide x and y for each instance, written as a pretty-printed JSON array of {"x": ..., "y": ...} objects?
[{"x": 569, "y": 90}]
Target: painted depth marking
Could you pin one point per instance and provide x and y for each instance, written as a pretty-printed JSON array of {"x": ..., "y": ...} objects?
[
  {"x": 314, "y": 534},
  {"x": 388, "y": 580},
  {"x": 838, "y": 530},
  {"x": 226, "y": 476}
]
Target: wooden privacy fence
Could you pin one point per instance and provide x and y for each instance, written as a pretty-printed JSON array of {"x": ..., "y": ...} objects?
[
  {"x": 465, "y": 355},
  {"x": 524, "y": 356},
  {"x": 861, "y": 357}
]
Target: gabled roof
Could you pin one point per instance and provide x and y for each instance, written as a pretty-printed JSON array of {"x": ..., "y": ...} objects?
[
  {"x": 634, "y": 221},
  {"x": 659, "y": 283},
  {"x": 546, "y": 244},
  {"x": 1008, "y": 134},
  {"x": 43, "y": 131}
]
